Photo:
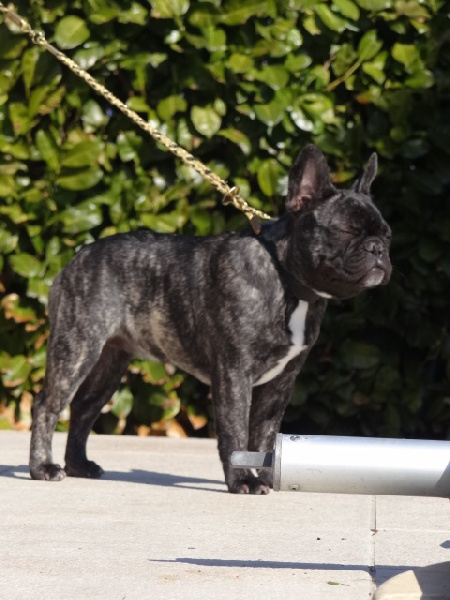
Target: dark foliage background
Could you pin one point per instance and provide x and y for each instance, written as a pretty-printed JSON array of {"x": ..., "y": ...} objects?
[{"x": 242, "y": 85}]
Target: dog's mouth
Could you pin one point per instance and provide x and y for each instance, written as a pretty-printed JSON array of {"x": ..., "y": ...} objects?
[
  {"x": 376, "y": 276},
  {"x": 345, "y": 283}
]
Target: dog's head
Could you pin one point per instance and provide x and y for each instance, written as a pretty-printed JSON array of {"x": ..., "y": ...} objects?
[{"x": 339, "y": 241}]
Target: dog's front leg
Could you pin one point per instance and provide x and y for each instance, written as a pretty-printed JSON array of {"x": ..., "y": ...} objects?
[
  {"x": 231, "y": 392},
  {"x": 269, "y": 402}
]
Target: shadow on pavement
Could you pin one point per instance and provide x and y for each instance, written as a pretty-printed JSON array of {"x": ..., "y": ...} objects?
[
  {"x": 427, "y": 583},
  {"x": 134, "y": 476},
  {"x": 165, "y": 480},
  {"x": 267, "y": 564}
]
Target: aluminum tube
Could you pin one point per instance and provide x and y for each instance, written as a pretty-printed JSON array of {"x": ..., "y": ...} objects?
[{"x": 354, "y": 465}]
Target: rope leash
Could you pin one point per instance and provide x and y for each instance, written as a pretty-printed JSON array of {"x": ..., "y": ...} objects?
[{"x": 230, "y": 194}]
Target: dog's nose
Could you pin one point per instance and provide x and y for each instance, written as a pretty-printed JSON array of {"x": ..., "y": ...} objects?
[{"x": 375, "y": 247}]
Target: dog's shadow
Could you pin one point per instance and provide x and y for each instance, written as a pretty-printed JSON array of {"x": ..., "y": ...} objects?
[
  {"x": 165, "y": 480},
  {"x": 135, "y": 476}
]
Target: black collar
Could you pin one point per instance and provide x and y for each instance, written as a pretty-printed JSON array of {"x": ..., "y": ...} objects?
[{"x": 295, "y": 288}]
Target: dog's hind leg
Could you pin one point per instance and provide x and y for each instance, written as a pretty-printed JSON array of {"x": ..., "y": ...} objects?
[
  {"x": 69, "y": 360},
  {"x": 41, "y": 464},
  {"x": 95, "y": 391}
]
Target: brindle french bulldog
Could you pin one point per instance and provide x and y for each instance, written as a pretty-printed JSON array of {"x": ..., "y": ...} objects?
[{"x": 239, "y": 311}]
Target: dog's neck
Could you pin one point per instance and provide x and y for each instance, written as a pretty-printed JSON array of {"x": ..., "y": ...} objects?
[{"x": 274, "y": 237}]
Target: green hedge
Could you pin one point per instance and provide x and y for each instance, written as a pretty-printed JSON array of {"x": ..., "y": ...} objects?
[{"x": 242, "y": 85}]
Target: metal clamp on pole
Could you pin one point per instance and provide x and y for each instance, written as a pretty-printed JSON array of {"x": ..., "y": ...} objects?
[{"x": 354, "y": 465}]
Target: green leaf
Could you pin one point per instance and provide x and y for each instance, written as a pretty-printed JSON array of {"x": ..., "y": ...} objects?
[
  {"x": 420, "y": 80},
  {"x": 236, "y": 12},
  {"x": 196, "y": 418},
  {"x": 166, "y": 9},
  {"x": 136, "y": 14},
  {"x": 79, "y": 179},
  {"x": 318, "y": 106},
  {"x": 344, "y": 58},
  {"x": 408, "y": 55},
  {"x": 375, "y": 5},
  {"x": 240, "y": 63},
  {"x": 271, "y": 113},
  {"x": 173, "y": 383},
  {"x": 269, "y": 175},
  {"x": 11, "y": 45},
  {"x": 29, "y": 62},
  {"x": 165, "y": 222},
  {"x": 26, "y": 265},
  {"x": 138, "y": 104},
  {"x": 347, "y": 8},
  {"x": 374, "y": 71},
  {"x": 19, "y": 149},
  {"x": 87, "y": 57},
  {"x": 85, "y": 153},
  {"x": 15, "y": 372},
  {"x": 48, "y": 149},
  {"x": 8, "y": 240},
  {"x": 153, "y": 372},
  {"x": 201, "y": 219},
  {"x": 214, "y": 39},
  {"x": 43, "y": 103},
  {"x": 122, "y": 403},
  {"x": 411, "y": 8},
  {"x": 238, "y": 138},
  {"x": 206, "y": 120},
  {"x": 369, "y": 45},
  {"x": 92, "y": 114},
  {"x": 102, "y": 11},
  {"x": 7, "y": 185},
  {"x": 295, "y": 63},
  {"x": 37, "y": 288},
  {"x": 220, "y": 107},
  {"x": 81, "y": 217},
  {"x": 169, "y": 403},
  {"x": 169, "y": 106},
  {"x": 300, "y": 119},
  {"x": 14, "y": 212},
  {"x": 71, "y": 32},
  {"x": 329, "y": 19},
  {"x": 128, "y": 144},
  {"x": 17, "y": 309},
  {"x": 204, "y": 15},
  {"x": 20, "y": 118},
  {"x": 275, "y": 77}
]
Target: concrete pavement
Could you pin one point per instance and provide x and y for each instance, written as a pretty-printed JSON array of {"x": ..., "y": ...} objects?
[{"x": 160, "y": 524}]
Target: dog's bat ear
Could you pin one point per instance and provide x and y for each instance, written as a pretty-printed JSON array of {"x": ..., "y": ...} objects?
[
  {"x": 362, "y": 185},
  {"x": 309, "y": 179}
]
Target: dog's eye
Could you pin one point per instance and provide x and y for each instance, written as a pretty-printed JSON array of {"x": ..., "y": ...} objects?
[{"x": 346, "y": 232}]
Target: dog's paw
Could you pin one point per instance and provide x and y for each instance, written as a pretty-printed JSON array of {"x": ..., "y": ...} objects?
[
  {"x": 241, "y": 486},
  {"x": 260, "y": 487},
  {"x": 88, "y": 469},
  {"x": 253, "y": 485},
  {"x": 50, "y": 472}
]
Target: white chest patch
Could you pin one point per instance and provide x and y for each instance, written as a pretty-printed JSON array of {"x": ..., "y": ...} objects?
[{"x": 297, "y": 328}]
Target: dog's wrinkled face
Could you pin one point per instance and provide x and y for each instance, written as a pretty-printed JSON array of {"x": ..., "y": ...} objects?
[{"x": 340, "y": 241}]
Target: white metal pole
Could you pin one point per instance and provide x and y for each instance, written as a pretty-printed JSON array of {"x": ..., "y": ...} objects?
[{"x": 354, "y": 465}]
